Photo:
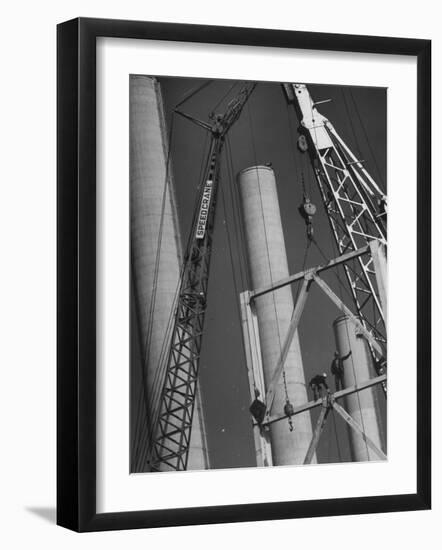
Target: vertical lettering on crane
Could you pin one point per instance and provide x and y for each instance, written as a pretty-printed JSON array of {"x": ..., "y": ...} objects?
[{"x": 204, "y": 210}]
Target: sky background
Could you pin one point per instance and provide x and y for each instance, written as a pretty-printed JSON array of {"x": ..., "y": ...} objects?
[{"x": 266, "y": 132}]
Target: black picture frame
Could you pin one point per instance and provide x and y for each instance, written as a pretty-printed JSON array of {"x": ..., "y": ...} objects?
[{"x": 76, "y": 273}]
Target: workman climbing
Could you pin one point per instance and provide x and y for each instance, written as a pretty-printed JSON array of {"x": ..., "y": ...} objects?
[
  {"x": 382, "y": 204},
  {"x": 380, "y": 366},
  {"x": 319, "y": 386},
  {"x": 337, "y": 369},
  {"x": 258, "y": 408}
]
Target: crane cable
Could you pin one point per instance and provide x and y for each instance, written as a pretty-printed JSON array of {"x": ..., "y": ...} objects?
[
  {"x": 159, "y": 373},
  {"x": 223, "y": 97},
  {"x": 231, "y": 255},
  {"x": 292, "y": 143},
  {"x": 152, "y": 304},
  {"x": 299, "y": 176},
  {"x": 379, "y": 175},
  {"x": 235, "y": 201},
  {"x": 351, "y": 125},
  {"x": 192, "y": 92},
  {"x": 267, "y": 246},
  {"x": 244, "y": 270},
  {"x": 153, "y": 399},
  {"x": 340, "y": 286},
  {"x": 357, "y": 393},
  {"x": 162, "y": 363},
  {"x": 147, "y": 341},
  {"x": 364, "y": 130}
]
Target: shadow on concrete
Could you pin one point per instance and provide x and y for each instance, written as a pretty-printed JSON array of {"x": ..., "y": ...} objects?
[{"x": 44, "y": 512}]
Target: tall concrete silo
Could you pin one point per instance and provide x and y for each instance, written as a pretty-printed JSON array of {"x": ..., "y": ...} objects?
[
  {"x": 267, "y": 260},
  {"x": 360, "y": 405},
  {"x": 155, "y": 242}
]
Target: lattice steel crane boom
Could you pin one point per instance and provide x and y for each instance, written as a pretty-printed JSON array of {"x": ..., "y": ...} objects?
[
  {"x": 355, "y": 204},
  {"x": 173, "y": 424}
]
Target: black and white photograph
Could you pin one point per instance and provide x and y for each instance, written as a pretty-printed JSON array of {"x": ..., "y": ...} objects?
[
  {"x": 206, "y": 343},
  {"x": 258, "y": 274}
]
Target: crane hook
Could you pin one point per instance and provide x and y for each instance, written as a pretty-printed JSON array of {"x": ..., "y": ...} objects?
[
  {"x": 307, "y": 210},
  {"x": 288, "y": 411}
]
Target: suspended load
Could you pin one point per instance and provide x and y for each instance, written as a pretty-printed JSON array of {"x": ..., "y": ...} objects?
[
  {"x": 289, "y": 411},
  {"x": 307, "y": 210}
]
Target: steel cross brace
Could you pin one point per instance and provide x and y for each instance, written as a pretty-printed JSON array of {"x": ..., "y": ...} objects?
[
  {"x": 310, "y": 276},
  {"x": 320, "y": 424},
  {"x": 353, "y": 424},
  {"x": 329, "y": 403},
  {"x": 301, "y": 274},
  {"x": 294, "y": 322},
  {"x": 337, "y": 395},
  {"x": 334, "y": 298}
]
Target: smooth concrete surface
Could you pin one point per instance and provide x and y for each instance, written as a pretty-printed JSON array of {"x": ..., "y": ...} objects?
[
  {"x": 156, "y": 253},
  {"x": 268, "y": 262},
  {"x": 360, "y": 405}
]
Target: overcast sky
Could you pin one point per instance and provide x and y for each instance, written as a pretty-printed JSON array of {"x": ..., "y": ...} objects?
[{"x": 265, "y": 132}]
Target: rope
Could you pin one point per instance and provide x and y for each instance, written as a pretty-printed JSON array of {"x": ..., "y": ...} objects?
[
  {"x": 342, "y": 287},
  {"x": 305, "y": 194},
  {"x": 147, "y": 342},
  {"x": 232, "y": 262},
  {"x": 157, "y": 388},
  {"x": 265, "y": 231},
  {"x": 144, "y": 436},
  {"x": 159, "y": 379},
  {"x": 235, "y": 201},
  {"x": 381, "y": 179},
  {"x": 351, "y": 356},
  {"x": 307, "y": 248},
  {"x": 293, "y": 147},
  {"x": 244, "y": 269},
  {"x": 161, "y": 371},
  {"x": 152, "y": 399},
  {"x": 350, "y": 119},
  {"x": 173, "y": 309},
  {"x": 357, "y": 393},
  {"x": 192, "y": 92},
  {"x": 235, "y": 83}
]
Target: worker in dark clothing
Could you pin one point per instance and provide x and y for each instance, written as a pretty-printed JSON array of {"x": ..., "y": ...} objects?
[
  {"x": 258, "y": 408},
  {"x": 337, "y": 369},
  {"x": 380, "y": 366},
  {"x": 382, "y": 203},
  {"x": 318, "y": 385}
]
